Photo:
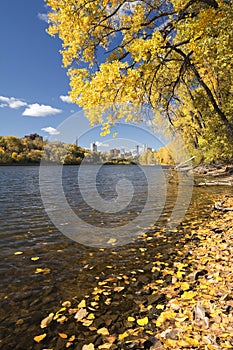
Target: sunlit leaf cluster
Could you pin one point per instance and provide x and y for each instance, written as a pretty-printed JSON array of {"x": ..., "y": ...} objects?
[{"x": 175, "y": 56}]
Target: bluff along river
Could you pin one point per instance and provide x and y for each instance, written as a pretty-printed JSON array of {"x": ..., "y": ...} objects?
[{"x": 27, "y": 297}]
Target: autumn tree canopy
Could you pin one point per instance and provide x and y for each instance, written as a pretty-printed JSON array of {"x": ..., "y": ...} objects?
[{"x": 175, "y": 56}]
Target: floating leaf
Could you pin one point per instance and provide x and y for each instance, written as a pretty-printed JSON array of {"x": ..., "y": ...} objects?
[
  {"x": 142, "y": 321},
  {"x": 40, "y": 337},
  {"x": 45, "y": 271},
  {"x": 111, "y": 241},
  {"x": 35, "y": 258},
  {"x": 18, "y": 253}
]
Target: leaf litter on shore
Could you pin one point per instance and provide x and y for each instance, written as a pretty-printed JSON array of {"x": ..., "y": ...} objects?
[{"x": 187, "y": 304}]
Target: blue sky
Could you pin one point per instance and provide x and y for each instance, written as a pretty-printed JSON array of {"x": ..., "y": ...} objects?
[
  {"x": 33, "y": 84},
  {"x": 32, "y": 79}
]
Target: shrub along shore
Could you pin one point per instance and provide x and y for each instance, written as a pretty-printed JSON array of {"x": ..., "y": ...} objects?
[{"x": 184, "y": 303}]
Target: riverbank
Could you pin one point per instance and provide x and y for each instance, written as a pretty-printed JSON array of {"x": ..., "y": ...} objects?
[{"x": 183, "y": 303}]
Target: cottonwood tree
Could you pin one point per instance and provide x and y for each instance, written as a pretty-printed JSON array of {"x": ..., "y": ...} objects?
[{"x": 175, "y": 56}]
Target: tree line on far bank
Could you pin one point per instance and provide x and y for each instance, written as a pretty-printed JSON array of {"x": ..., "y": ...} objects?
[{"x": 31, "y": 149}]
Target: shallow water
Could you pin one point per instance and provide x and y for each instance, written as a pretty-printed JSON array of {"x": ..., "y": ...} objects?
[{"x": 27, "y": 297}]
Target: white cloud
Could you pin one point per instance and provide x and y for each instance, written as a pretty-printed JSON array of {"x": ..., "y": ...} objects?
[
  {"x": 37, "y": 110},
  {"x": 101, "y": 144},
  {"x": 51, "y": 131},
  {"x": 43, "y": 17},
  {"x": 12, "y": 102},
  {"x": 65, "y": 99}
]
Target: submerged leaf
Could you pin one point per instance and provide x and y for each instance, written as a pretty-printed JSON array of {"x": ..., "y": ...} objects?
[
  {"x": 80, "y": 314},
  {"x": 88, "y": 347},
  {"x": 47, "y": 320},
  {"x": 103, "y": 331},
  {"x": 40, "y": 337}
]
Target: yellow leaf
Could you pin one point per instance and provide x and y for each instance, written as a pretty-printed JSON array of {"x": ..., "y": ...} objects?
[
  {"x": 86, "y": 322},
  {"x": 180, "y": 274},
  {"x": 188, "y": 295},
  {"x": 45, "y": 271},
  {"x": 160, "y": 307},
  {"x": 82, "y": 304},
  {"x": 131, "y": 319},
  {"x": 184, "y": 286},
  {"x": 39, "y": 338},
  {"x": 103, "y": 331},
  {"x": 35, "y": 258},
  {"x": 142, "y": 321},
  {"x": 18, "y": 253},
  {"x": 159, "y": 281},
  {"x": 123, "y": 335}
]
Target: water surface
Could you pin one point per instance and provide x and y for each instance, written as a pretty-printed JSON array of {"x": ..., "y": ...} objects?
[{"x": 27, "y": 297}]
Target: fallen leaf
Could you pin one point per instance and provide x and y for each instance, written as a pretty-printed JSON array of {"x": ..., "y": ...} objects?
[
  {"x": 103, "y": 331},
  {"x": 35, "y": 258},
  {"x": 142, "y": 321},
  {"x": 170, "y": 334},
  {"x": 66, "y": 303},
  {"x": 80, "y": 314},
  {"x": 86, "y": 322},
  {"x": 63, "y": 335},
  {"x": 82, "y": 304},
  {"x": 39, "y": 338},
  {"x": 18, "y": 253},
  {"x": 131, "y": 319},
  {"x": 88, "y": 347},
  {"x": 62, "y": 319},
  {"x": 201, "y": 315},
  {"x": 123, "y": 335},
  {"x": 45, "y": 271},
  {"x": 105, "y": 346},
  {"x": 188, "y": 295},
  {"x": 72, "y": 338},
  {"x": 47, "y": 320},
  {"x": 111, "y": 241},
  {"x": 118, "y": 289}
]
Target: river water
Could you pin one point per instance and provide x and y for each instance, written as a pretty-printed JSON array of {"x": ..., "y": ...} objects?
[{"x": 30, "y": 241}]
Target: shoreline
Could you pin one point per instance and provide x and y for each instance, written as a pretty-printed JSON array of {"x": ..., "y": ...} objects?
[{"x": 186, "y": 304}]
